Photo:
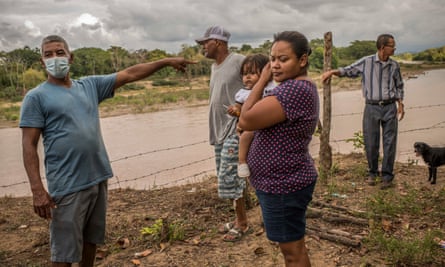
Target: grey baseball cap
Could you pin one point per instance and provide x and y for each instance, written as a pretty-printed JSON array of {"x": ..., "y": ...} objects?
[{"x": 214, "y": 32}]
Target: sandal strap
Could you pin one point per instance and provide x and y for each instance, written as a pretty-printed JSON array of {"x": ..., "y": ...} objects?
[
  {"x": 226, "y": 227},
  {"x": 235, "y": 231}
]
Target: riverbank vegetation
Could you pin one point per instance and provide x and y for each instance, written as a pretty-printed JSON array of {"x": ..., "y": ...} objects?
[{"x": 21, "y": 71}]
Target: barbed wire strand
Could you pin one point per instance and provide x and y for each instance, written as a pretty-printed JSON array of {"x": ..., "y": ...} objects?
[
  {"x": 406, "y": 108},
  {"x": 158, "y": 150},
  {"x": 164, "y": 170},
  {"x": 119, "y": 181}
]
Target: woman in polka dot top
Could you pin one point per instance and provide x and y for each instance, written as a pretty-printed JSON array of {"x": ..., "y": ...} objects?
[{"x": 282, "y": 170}]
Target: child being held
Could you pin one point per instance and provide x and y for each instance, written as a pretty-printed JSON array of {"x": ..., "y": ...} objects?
[{"x": 250, "y": 70}]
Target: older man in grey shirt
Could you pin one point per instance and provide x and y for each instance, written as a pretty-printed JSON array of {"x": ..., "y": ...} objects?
[
  {"x": 225, "y": 80},
  {"x": 382, "y": 86}
]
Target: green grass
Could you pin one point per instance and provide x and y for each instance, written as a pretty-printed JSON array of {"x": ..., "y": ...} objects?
[
  {"x": 10, "y": 112},
  {"x": 151, "y": 97},
  {"x": 386, "y": 203},
  {"x": 406, "y": 250},
  {"x": 396, "y": 232},
  {"x": 404, "y": 223}
]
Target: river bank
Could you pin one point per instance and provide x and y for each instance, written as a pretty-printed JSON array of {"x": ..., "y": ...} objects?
[{"x": 9, "y": 111}]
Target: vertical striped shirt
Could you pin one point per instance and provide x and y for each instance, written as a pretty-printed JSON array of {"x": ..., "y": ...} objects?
[{"x": 381, "y": 80}]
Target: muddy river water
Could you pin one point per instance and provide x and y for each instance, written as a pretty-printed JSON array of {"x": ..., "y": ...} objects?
[{"x": 170, "y": 147}]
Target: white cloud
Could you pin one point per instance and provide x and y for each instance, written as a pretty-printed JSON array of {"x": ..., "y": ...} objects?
[
  {"x": 85, "y": 19},
  {"x": 33, "y": 30}
]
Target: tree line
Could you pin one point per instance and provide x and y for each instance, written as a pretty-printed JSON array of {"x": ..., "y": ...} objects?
[{"x": 21, "y": 70}]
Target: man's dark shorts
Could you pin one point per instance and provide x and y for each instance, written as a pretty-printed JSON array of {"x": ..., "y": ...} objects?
[{"x": 79, "y": 217}]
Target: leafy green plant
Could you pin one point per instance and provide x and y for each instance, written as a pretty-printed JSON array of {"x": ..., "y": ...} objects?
[
  {"x": 154, "y": 229},
  {"x": 161, "y": 231},
  {"x": 358, "y": 141}
]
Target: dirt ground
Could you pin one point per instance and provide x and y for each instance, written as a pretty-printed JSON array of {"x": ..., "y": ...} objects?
[{"x": 195, "y": 211}]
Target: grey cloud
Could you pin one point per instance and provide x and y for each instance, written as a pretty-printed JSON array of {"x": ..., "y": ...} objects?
[
  {"x": 17, "y": 36},
  {"x": 167, "y": 25}
]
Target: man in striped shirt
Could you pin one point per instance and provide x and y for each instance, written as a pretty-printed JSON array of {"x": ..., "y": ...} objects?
[{"x": 382, "y": 86}]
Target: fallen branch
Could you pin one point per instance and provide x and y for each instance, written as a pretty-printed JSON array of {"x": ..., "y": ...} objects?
[
  {"x": 336, "y": 207},
  {"x": 343, "y": 239},
  {"x": 335, "y": 217}
]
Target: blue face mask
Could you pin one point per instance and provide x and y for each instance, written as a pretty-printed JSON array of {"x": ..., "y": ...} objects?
[{"x": 57, "y": 67}]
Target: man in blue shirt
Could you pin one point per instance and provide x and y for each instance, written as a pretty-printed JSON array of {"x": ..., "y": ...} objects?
[
  {"x": 65, "y": 112},
  {"x": 382, "y": 86}
]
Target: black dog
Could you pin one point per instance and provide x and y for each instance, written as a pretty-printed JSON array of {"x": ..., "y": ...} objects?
[{"x": 433, "y": 157}]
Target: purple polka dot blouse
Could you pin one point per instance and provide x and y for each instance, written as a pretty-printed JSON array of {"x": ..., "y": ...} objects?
[{"x": 279, "y": 158}]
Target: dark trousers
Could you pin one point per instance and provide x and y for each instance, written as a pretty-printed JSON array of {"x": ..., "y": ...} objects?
[{"x": 378, "y": 117}]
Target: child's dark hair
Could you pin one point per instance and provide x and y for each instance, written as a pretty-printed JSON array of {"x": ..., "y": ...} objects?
[{"x": 254, "y": 62}]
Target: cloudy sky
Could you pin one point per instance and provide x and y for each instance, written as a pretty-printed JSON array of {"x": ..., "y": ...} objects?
[{"x": 169, "y": 24}]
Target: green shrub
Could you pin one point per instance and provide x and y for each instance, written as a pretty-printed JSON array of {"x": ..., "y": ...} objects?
[
  {"x": 358, "y": 141},
  {"x": 10, "y": 93},
  {"x": 10, "y": 113},
  {"x": 161, "y": 231}
]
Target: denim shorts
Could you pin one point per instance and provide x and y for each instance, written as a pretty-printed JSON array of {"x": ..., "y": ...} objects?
[
  {"x": 284, "y": 215},
  {"x": 78, "y": 218}
]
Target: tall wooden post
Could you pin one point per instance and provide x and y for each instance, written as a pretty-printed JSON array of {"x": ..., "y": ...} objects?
[{"x": 325, "y": 153}]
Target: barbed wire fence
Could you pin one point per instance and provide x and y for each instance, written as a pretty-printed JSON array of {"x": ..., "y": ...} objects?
[{"x": 120, "y": 183}]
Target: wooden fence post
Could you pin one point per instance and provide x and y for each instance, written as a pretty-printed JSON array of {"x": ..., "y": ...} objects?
[{"x": 325, "y": 154}]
